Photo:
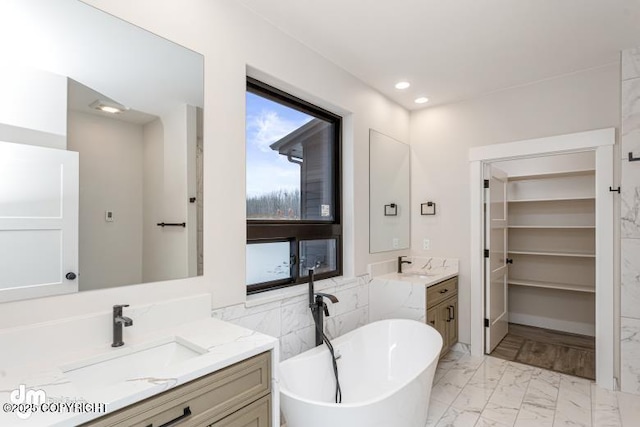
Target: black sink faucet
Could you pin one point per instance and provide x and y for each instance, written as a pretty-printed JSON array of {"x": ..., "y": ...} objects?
[
  {"x": 318, "y": 308},
  {"x": 118, "y": 321},
  {"x": 400, "y": 262}
]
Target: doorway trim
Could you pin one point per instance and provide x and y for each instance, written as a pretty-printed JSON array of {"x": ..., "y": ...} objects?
[{"x": 601, "y": 142}]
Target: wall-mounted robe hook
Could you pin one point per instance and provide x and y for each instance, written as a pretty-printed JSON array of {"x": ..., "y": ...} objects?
[{"x": 633, "y": 159}]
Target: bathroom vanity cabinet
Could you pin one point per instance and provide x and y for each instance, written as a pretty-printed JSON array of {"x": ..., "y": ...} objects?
[
  {"x": 442, "y": 311},
  {"x": 236, "y": 396}
]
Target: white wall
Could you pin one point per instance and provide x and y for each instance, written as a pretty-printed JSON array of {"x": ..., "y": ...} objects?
[
  {"x": 153, "y": 184},
  {"x": 441, "y": 138},
  {"x": 233, "y": 40},
  {"x": 167, "y": 144},
  {"x": 33, "y": 107},
  {"x": 110, "y": 179}
]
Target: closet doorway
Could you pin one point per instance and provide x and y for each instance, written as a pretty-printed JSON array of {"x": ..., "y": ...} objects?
[
  {"x": 540, "y": 231},
  {"x": 542, "y": 253}
]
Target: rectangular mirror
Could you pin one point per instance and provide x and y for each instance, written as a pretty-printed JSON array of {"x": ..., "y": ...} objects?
[
  {"x": 100, "y": 152},
  {"x": 389, "y": 193}
]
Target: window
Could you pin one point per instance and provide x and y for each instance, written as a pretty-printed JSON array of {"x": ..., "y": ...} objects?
[{"x": 293, "y": 189}]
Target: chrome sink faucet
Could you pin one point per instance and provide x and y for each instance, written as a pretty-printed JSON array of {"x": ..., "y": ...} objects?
[
  {"x": 400, "y": 262},
  {"x": 118, "y": 321}
]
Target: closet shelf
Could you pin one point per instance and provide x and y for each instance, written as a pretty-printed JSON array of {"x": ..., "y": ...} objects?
[
  {"x": 542, "y": 176},
  {"x": 552, "y": 285},
  {"x": 567, "y": 227},
  {"x": 558, "y": 199},
  {"x": 549, "y": 253}
]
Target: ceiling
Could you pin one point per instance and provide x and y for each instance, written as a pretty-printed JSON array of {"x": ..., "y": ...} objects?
[{"x": 456, "y": 50}]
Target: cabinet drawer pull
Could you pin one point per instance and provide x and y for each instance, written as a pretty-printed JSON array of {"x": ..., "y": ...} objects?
[
  {"x": 433, "y": 322},
  {"x": 453, "y": 312},
  {"x": 444, "y": 291},
  {"x": 174, "y": 422}
]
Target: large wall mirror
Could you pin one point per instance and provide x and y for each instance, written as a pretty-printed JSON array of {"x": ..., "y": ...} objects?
[
  {"x": 389, "y": 193},
  {"x": 100, "y": 152}
]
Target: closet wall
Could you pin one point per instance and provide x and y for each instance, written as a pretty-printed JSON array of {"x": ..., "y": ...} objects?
[{"x": 552, "y": 242}]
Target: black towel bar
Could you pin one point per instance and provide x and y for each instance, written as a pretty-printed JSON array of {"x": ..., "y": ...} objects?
[{"x": 172, "y": 224}]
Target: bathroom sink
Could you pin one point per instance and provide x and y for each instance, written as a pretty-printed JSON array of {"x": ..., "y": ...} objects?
[
  {"x": 418, "y": 274},
  {"x": 129, "y": 364}
]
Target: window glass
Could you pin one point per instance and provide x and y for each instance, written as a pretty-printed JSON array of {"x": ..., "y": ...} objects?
[
  {"x": 320, "y": 255},
  {"x": 293, "y": 189},
  {"x": 289, "y": 163},
  {"x": 268, "y": 262}
]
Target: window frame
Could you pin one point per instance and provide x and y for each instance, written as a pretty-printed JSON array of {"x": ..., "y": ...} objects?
[{"x": 295, "y": 231}]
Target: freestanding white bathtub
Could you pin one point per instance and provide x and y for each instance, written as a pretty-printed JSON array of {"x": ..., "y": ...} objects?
[{"x": 386, "y": 371}]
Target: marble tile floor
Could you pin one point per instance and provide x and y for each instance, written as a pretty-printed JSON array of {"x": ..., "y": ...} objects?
[{"x": 470, "y": 391}]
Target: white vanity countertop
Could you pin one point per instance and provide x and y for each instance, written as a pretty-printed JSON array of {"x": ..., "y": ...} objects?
[
  {"x": 224, "y": 343},
  {"x": 425, "y": 271},
  {"x": 419, "y": 279}
]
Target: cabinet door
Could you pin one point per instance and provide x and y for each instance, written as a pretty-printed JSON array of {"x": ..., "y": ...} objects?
[
  {"x": 435, "y": 319},
  {"x": 431, "y": 317},
  {"x": 258, "y": 414},
  {"x": 443, "y": 318},
  {"x": 452, "y": 321}
]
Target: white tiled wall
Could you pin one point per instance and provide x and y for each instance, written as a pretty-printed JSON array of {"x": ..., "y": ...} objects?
[
  {"x": 630, "y": 223},
  {"x": 289, "y": 317}
]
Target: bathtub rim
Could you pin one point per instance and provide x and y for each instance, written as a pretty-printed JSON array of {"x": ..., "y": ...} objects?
[{"x": 321, "y": 349}]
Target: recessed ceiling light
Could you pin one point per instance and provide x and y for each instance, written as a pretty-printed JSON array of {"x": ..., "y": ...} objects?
[
  {"x": 402, "y": 85},
  {"x": 421, "y": 100},
  {"x": 108, "y": 106}
]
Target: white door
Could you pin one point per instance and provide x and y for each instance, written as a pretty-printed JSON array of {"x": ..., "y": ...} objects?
[
  {"x": 496, "y": 267},
  {"x": 38, "y": 221}
]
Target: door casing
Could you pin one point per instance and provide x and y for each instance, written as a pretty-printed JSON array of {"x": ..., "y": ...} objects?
[{"x": 602, "y": 143}]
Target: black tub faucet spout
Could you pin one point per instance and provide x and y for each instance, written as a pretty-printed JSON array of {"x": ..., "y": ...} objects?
[{"x": 319, "y": 307}]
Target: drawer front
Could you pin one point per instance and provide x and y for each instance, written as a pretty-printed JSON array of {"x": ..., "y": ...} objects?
[
  {"x": 258, "y": 414},
  {"x": 211, "y": 397},
  {"x": 441, "y": 291}
]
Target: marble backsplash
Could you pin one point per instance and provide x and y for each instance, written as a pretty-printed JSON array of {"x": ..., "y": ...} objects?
[
  {"x": 285, "y": 313},
  {"x": 289, "y": 319}
]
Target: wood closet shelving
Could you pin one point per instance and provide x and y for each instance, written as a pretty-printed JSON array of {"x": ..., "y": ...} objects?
[{"x": 552, "y": 231}]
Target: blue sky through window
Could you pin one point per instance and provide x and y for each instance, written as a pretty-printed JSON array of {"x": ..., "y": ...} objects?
[{"x": 267, "y": 122}]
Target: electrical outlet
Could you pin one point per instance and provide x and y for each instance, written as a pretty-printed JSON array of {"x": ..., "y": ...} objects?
[
  {"x": 396, "y": 243},
  {"x": 426, "y": 244}
]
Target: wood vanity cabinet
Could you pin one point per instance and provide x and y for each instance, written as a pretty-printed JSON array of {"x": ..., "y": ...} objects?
[
  {"x": 236, "y": 396},
  {"x": 442, "y": 311}
]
